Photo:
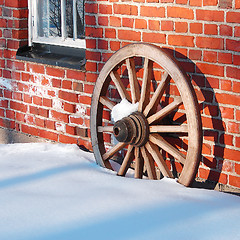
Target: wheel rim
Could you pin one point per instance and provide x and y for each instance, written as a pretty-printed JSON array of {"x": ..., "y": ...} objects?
[{"x": 146, "y": 148}]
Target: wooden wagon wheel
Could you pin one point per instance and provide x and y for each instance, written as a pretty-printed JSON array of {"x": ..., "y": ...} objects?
[{"x": 145, "y": 74}]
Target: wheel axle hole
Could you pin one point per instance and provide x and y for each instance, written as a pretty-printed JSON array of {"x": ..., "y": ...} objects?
[{"x": 116, "y": 131}]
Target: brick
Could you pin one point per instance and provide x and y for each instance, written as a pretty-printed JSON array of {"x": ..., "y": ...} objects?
[
  {"x": 167, "y": 25},
  {"x": 91, "y": 7},
  {"x": 211, "y": 29},
  {"x": 140, "y": 24},
  {"x": 77, "y": 75},
  {"x": 154, "y": 25},
  {"x": 114, "y": 46},
  {"x": 149, "y": 11},
  {"x": 236, "y": 60},
  {"x": 237, "y": 4},
  {"x": 233, "y": 127},
  {"x": 91, "y": 43},
  {"x": 233, "y": 45},
  {"x": 181, "y": 27},
  {"x": 227, "y": 112},
  {"x": 18, "y": 106},
  {"x": 195, "y": 54},
  {"x": 76, "y": 120},
  {"x": 96, "y": 56},
  {"x": 237, "y": 169},
  {"x": 227, "y": 98},
  {"x": 210, "y": 56},
  {"x": 226, "y": 30},
  {"x": 154, "y": 37},
  {"x": 179, "y": 12},
  {"x": 55, "y": 72},
  {"x": 226, "y": 139},
  {"x": 48, "y": 135},
  {"x": 211, "y": 43},
  {"x": 225, "y": 58},
  {"x": 236, "y": 87},
  {"x": 211, "y": 69},
  {"x": 210, "y": 2},
  {"x": 233, "y": 17},
  {"x": 210, "y": 15},
  {"x": 68, "y": 96},
  {"x": 129, "y": 35},
  {"x": 110, "y": 33},
  {"x": 67, "y": 139},
  {"x": 105, "y": 9},
  {"x": 196, "y": 3},
  {"x": 213, "y": 175},
  {"x": 237, "y": 32},
  {"x": 90, "y": 20},
  {"x": 181, "y": 1},
  {"x": 196, "y": 28},
  {"x": 94, "y": 32},
  {"x": 181, "y": 40},
  {"x": 233, "y": 72},
  {"x": 226, "y": 85},
  {"x": 115, "y": 21},
  {"x": 35, "y": 68},
  {"x": 59, "y": 116},
  {"x": 125, "y": 9},
  {"x": 234, "y": 181},
  {"x": 225, "y": 3},
  {"x": 127, "y": 22}
]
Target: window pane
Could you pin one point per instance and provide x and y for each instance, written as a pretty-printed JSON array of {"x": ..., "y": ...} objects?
[
  {"x": 55, "y": 18},
  {"x": 79, "y": 28},
  {"x": 80, "y": 19},
  {"x": 69, "y": 18},
  {"x": 43, "y": 24}
]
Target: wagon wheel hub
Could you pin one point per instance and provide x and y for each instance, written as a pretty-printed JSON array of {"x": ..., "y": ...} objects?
[{"x": 133, "y": 129}]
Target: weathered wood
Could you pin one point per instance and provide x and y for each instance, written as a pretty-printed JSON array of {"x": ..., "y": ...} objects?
[
  {"x": 146, "y": 82},
  {"x": 105, "y": 129},
  {"x": 158, "y": 158},
  {"x": 158, "y": 93},
  {"x": 126, "y": 161},
  {"x": 149, "y": 163},
  {"x": 168, "y": 129},
  {"x": 113, "y": 151},
  {"x": 150, "y": 151},
  {"x": 158, "y": 140},
  {"x": 165, "y": 111},
  {"x": 133, "y": 80},
  {"x": 138, "y": 163},
  {"x": 107, "y": 102},
  {"x": 119, "y": 85}
]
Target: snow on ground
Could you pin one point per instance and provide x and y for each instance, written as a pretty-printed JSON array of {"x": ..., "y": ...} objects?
[{"x": 56, "y": 191}]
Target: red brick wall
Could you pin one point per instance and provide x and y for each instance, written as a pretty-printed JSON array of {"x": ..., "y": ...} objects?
[{"x": 204, "y": 35}]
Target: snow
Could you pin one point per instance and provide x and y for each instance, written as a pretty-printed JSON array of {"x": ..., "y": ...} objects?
[
  {"x": 123, "y": 109},
  {"x": 56, "y": 191}
]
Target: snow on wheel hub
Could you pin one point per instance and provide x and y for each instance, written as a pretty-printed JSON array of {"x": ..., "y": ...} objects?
[{"x": 133, "y": 129}]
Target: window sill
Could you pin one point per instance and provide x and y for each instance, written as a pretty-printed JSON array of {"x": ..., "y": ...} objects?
[{"x": 73, "y": 58}]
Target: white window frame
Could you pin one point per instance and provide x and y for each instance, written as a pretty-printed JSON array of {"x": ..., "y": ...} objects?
[{"x": 60, "y": 41}]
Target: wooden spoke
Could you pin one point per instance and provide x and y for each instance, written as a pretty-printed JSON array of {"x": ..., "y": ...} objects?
[
  {"x": 168, "y": 129},
  {"x": 105, "y": 129},
  {"x": 158, "y": 93},
  {"x": 158, "y": 140},
  {"x": 145, "y": 92},
  {"x": 133, "y": 80},
  {"x": 165, "y": 111},
  {"x": 138, "y": 163},
  {"x": 119, "y": 85},
  {"x": 107, "y": 102},
  {"x": 126, "y": 161},
  {"x": 149, "y": 163},
  {"x": 157, "y": 156},
  {"x": 113, "y": 150}
]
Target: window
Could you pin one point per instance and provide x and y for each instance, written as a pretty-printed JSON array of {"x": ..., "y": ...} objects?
[
  {"x": 57, "y": 22},
  {"x": 56, "y": 33}
]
